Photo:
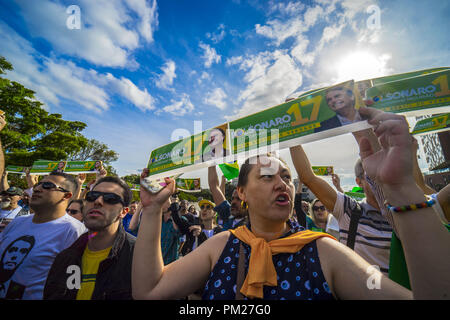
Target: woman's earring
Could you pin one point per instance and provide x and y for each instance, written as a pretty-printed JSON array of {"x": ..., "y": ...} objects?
[{"x": 244, "y": 205}]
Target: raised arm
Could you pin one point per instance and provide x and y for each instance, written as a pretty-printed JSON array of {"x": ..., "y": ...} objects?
[
  {"x": 222, "y": 184},
  {"x": 80, "y": 178},
  {"x": 134, "y": 221},
  {"x": 323, "y": 191},
  {"x": 425, "y": 240},
  {"x": 181, "y": 223},
  {"x": 150, "y": 278},
  {"x": 337, "y": 182},
  {"x": 213, "y": 182}
]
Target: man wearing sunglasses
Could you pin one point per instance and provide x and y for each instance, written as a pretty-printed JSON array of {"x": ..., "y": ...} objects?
[
  {"x": 10, "y": 208},
  {"x": 98, "y": 265},
  {"x": 49, "y": 231}
]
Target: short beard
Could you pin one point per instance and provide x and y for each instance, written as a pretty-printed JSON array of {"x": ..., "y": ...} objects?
[{"x": 99, "y": 227}]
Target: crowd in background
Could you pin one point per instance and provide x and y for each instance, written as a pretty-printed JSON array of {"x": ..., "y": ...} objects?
[{"x": 60, "y": 241}]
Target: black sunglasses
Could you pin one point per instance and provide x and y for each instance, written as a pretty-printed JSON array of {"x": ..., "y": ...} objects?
[
  {"x": 205, "y": 206},
  {"x": 72, "y": 211},
  {"x": 108, "y": 197},
  {"x": 317, "y": 208},
  {"x": 49, "y": 185}
]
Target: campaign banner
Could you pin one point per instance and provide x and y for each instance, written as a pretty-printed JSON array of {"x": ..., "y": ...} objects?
[
  {"x": 188, "y": 185},
  {"x": 155, "y": 185},
  {"x": 323, "y": 171},
  {"x": 314, "y": 115},
  {"x": 322, "y": 111},
  {"x": 41, "y": 167},
  {"x": 202, "y": 148},
  {"x": 434, "y": 124},
  {"x": 17, "y": 169},
  {"x": 419, "y": 95},
  {"x": 91, "y": 166},
  {"x": 402, "y": 76}
]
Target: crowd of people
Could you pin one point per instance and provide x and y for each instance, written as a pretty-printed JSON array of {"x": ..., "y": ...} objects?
[{"x": 58, "y": 241}]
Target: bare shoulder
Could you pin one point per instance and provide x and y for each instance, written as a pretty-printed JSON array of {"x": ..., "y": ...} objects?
[{"x": 215, "y": 245}]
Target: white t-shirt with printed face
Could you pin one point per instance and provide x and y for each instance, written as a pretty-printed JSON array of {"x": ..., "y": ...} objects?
[{"x": 27, "y": 251}]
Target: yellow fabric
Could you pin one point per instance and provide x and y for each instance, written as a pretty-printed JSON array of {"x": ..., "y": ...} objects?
[
  {"x": 89, "y": 268},
  {"x": 261, "y": 270}
]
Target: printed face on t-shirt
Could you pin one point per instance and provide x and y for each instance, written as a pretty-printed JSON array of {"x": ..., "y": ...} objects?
[{"x": 15, "y": 254}]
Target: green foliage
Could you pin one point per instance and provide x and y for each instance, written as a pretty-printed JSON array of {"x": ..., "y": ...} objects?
[
  {"x": 95, "y": 150},
  {"x": 132, "y": 178},
  {"x": 31, "y": 133}
]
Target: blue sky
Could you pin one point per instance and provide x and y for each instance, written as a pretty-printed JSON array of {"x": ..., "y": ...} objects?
[{"x": 137, "y": 70}]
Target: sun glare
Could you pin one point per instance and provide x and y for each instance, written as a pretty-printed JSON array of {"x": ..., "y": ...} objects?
[{"x": 361, "y": 65}]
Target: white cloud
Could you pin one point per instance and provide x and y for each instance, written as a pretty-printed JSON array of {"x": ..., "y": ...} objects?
[
  {"x": 179, "y": 108},
  {"x": 56, "y": 79},
  {"x": 209, "y": 55},
  {"x": 204, "y": 76},
  {"x": 216, "y": 98},
  {"x": 289, "y": 9},
  {"x": 165, "y": 80},
  {"x": 234, "y": 60},
  {"x": 219, "y": 35},
  {"x": 108, "y": 33},
  {"x": 270, "y": 77},
  {"x": 148, "y": 16},
  {"x": 140, "y": 98}
]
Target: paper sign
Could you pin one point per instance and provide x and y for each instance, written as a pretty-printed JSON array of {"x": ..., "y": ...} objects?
[
  {"x": 433, "y": 124},
  {"x": 323, "y": 171}
]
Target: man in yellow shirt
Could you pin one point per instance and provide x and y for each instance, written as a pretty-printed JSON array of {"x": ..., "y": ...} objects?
[{"x": 98, "y": 264}]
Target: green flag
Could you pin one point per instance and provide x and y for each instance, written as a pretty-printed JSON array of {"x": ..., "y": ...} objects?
[{"x": 230, "y": 170}]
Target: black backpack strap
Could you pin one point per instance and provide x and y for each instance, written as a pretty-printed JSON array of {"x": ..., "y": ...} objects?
[
  {"x": 240, "y": 273},
  {"x": 353, "y": 227}
]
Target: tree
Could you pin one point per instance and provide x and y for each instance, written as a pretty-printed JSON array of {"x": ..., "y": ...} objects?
[
  {"x": 95, "y": 150},
  {"x": 31, "y": 132},
  {"x": 132, "y": 178}
]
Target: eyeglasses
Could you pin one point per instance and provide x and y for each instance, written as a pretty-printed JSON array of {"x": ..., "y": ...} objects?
[
  {"x": 49, "y": 185},
  {"x": 109, "y": 198},
  {"x": 207, "y": 206},
  {"x": 72, "y": 211},
  {"x": 319, "y": 208}
]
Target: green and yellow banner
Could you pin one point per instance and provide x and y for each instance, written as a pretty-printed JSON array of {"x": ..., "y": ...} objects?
[
  {"x": 83, "y": 166},
  {"x": 434, "y": 124},
  {"x": 323, "y": 171},
  {"x": 42, "y": 167},
  {"x": 188, "y": 185},
  {"x": 419, "y": 95},
  {"x": 314, "y": 115},
  {"x": 16, "y": 169}
]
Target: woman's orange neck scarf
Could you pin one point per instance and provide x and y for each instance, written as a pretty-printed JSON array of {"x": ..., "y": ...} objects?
[{"x": 261, "y": 270}]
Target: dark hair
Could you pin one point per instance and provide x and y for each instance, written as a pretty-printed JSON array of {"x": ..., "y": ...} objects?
[
  {"x": 70, "y": 183},
  {"x": 79, "y": 201},
  {"x": 247, "y": 167},
  {"x": 127, "y": 194}
]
